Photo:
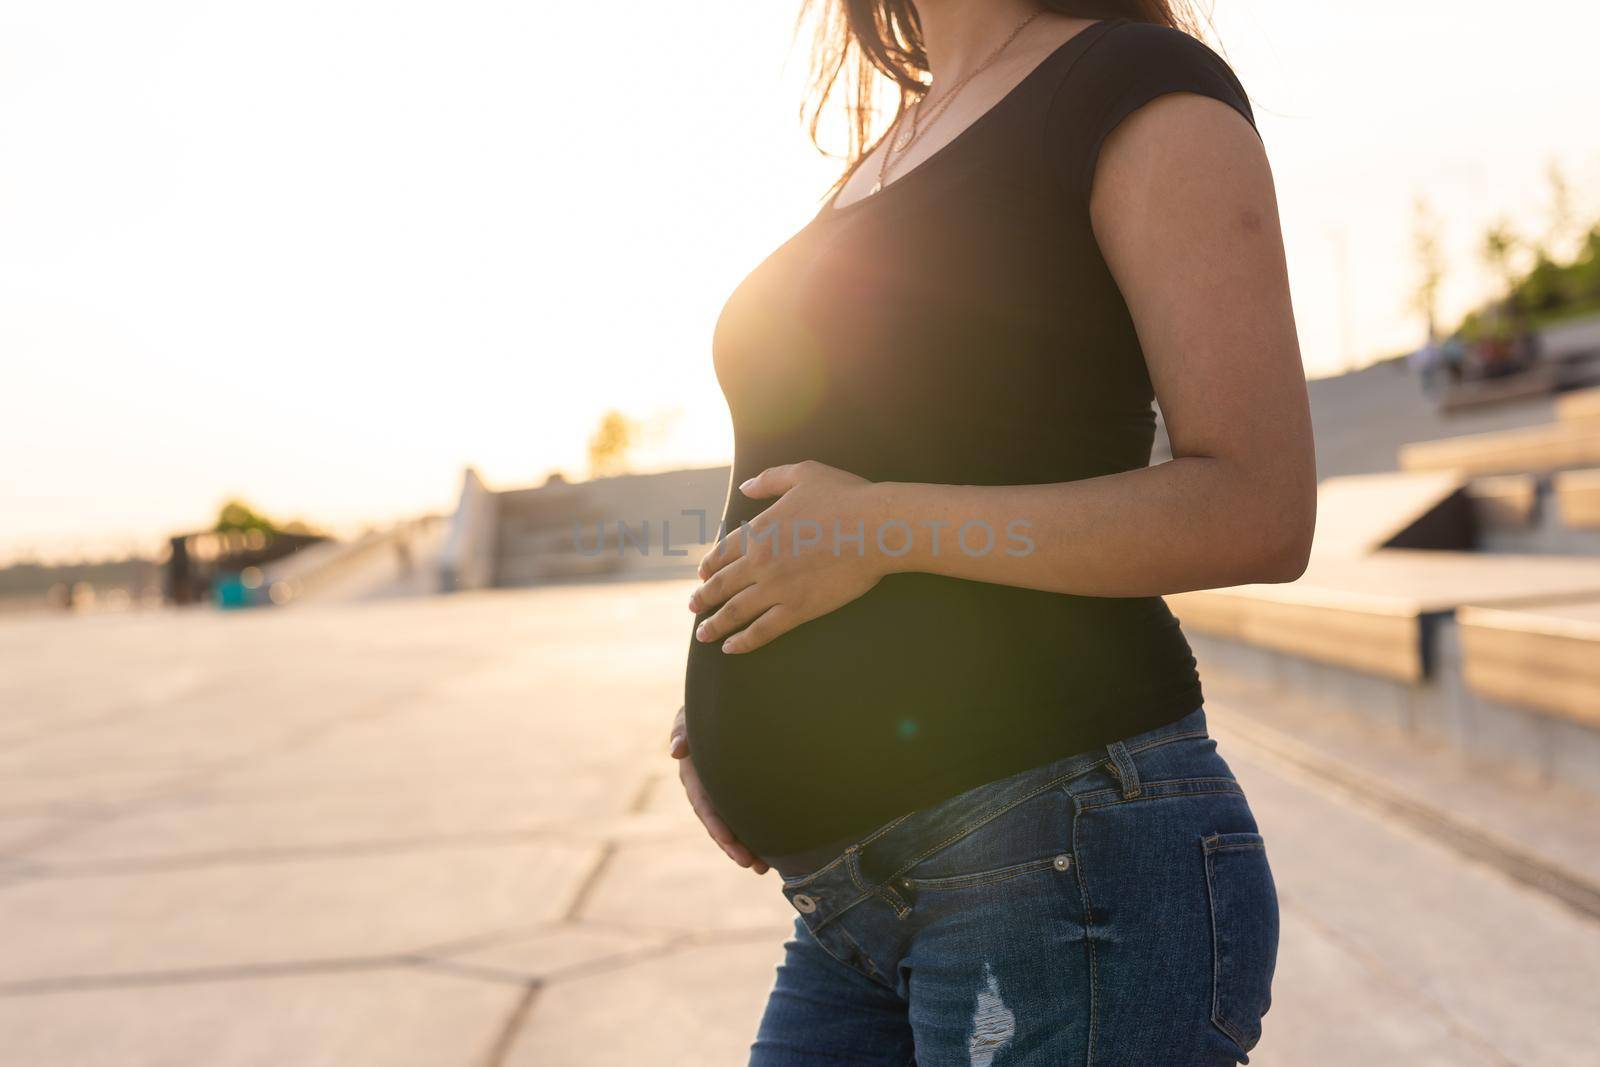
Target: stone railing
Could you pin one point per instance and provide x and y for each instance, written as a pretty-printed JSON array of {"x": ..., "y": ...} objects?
[{"x": 467, "y": 560}]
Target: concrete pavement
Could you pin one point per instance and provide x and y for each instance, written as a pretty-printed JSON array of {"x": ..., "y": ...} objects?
[{"x": 445, "y": 831}]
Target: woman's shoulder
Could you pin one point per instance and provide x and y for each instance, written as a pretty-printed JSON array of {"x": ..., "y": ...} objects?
[
  {"x": 1121, "y": 69},
  {"x": 1149, "y": 49},
  {"x": 1134, "y": 60}
]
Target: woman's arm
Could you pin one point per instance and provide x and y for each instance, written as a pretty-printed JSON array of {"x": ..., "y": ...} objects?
[{"x": 1185, "y": 214}]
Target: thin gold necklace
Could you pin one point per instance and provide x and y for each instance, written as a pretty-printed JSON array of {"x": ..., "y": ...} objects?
[{"x": 893, "y": 147}]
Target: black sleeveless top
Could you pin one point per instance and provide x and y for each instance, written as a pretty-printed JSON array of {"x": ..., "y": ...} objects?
[{"x": 958, "y": 327}]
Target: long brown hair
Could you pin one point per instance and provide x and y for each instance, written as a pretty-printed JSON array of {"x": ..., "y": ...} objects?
[{"x": 856, "y": 42}]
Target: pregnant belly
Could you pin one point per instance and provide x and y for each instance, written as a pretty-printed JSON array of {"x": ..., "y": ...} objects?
[{"x": 894, "y": 684}]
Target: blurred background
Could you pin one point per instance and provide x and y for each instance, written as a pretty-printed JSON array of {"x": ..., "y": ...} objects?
[{"x": 322, "y": 328}]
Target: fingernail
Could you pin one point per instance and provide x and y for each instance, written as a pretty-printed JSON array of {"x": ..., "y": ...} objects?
[
  {"x": 746, "y": 484},
  {"x": 729, "y": 646},
  {"x": 703, "y": 631},
  {"x": 694, "y": 603}
]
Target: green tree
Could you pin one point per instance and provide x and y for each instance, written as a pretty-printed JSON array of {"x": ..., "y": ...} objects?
[
  {"x": 610, "y": 444},
  {"x": 1585, "y": 270},
  {"x": 1546, "y": 286},
  {"x": 1428, "y": 247},
  {"x": 1501, "y": 246},
  {"x": 1561, "y": 226},
  {"x": 237, "y": 515}
]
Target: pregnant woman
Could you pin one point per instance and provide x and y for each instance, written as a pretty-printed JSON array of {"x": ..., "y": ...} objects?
[{"x": 932, "y": 680}]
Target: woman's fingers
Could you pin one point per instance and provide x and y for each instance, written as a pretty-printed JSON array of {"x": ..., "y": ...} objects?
[
  {"x": 775, "y": 621},
  {"x": 722, "y": 586},
  {"x": 775, "y": 481},
  {"x": 724, "y": 838},
  {"x": 743, "y": 606},
  {"x": 722, "y": 553},
  {"x": 718, "y": 830},
  {"x": 678, "y": 739}
]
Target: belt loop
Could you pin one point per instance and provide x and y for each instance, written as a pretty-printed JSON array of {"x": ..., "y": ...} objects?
[
  {"x": 1122, "y": 764},
  {"x": 894, "y": 895}
]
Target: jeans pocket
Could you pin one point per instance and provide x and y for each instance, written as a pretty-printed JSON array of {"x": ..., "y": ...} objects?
[
  {"x": 973, "y": 879},
  {"x": 1244, "y": 933},
  {"x": 1033, "y": 834}
]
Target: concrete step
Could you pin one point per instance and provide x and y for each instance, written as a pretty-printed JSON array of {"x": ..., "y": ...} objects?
[
  {"x": 1554, "y": 446},
  {"x": 1544, "y": 656},
  {"x": 1539, "y": 833},
  {"x": 1582, "y": 405},
  {"x": 1381, "y": 635},
  {"x": 1399, "y": 911},
  {"x": 1358, "y": 513},
  {"x": 1537, "y": 380},
  {"x": 1557, "y": 514},
  {"x": 1577, "y": 497},
  {"x": 1504, "y": 501},
  {"x": 1367, "y": 613}
]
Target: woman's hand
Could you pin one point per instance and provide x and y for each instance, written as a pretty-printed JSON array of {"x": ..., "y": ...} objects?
[
  {"x": 811, "y": 552},
  {"x": 678, "y": 745}
]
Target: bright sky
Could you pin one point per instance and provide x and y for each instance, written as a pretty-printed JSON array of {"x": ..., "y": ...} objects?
[{"x": 324, "y": 254}]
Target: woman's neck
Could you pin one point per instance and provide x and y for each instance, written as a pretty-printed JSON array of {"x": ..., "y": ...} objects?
[{"x": 959, "y": 34}]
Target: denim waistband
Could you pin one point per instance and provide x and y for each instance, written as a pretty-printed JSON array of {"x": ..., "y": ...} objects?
[{"x": 901, "y": 843}]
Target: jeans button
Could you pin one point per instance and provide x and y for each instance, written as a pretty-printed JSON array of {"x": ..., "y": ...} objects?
[
  {"x": 804, "y": 904},
  {"x": 1062, "y": 862}
]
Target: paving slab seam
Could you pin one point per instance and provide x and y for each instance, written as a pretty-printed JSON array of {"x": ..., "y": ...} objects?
[
  {"x": 54, "y": 810},
  {"x": 619, "y": 960},
  {"x": 591, "y": 881},
  {"x": 199, "y": 975},
  {"x": 621, "y": 926},
  {"x": 56, "y": 834},
  {"x": 641, "y": 799},
  {"x": 12, "y": 874},
  {"x": 119, "y": 717},
  {"x": 1466, "y": 839},
  {"x": 445, "y": 949},
  {"x": 290, "y": 854},
  {"x": 589, "y": 968},
  {"x": 518, "y": 1018},
  {"x": 479, "y": 972},
  {"x": 186, "y": 782},
  {"x": 509, "y": 1031}
]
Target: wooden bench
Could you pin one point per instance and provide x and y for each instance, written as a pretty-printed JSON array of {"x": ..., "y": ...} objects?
[
  {"x": 1577, "y": 497},
  {"x": 1370, "y": 613},
  {"x": 1582, "y": 405},
  {"x": 1546, "y": 657},
  {"x": 1573, "y": 442}
]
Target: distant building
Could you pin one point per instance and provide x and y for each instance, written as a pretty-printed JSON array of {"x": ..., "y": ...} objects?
[
  {"x": 632, "y": 525},
  {"x": 206, "y": 565}
]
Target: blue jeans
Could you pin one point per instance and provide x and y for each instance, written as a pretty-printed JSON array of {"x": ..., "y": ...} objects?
[{"x": 1113, "y": 909}]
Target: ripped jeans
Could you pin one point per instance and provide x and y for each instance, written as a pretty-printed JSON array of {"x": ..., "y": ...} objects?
[{"x": 1113, "y": 909}]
